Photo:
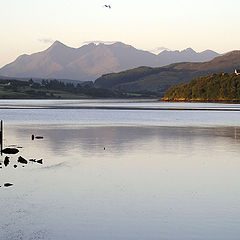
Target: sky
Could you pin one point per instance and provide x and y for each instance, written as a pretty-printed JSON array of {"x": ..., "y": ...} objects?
[{"x": 28, "y": 26}]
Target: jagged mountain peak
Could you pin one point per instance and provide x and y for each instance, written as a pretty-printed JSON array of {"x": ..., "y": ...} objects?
[
  {"x": 57, "y": 46},
  {"x": 121, "y": 44},
  {"x": 56, "y": 43},
  {"x": 22, "y": 57},
  {"x": 188, "y": 50}
]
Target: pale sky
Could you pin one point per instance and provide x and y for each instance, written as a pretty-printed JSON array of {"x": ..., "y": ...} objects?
[{"x": 28, "y": 26}]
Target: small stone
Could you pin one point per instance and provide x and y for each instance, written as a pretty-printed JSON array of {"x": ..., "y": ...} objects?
[
  {"x": 10, "y": 151},
  {"x": 40, "y": 161},
  {"x": 8, "y": 184},
  {"x": 22, "y": 160},
  {"x": 39, "y": 137},
  {"x": 6, "y": 161}
]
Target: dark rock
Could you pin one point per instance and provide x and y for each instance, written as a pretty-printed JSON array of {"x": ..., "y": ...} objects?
[
  {"x": 39, "y": 137},
  {"x": 32, "y": 160},
  {"x": 32, "y": 137},
  {"x": 10, "y": 151},
  {"x": 15, "y": 166},
  {"x": 8, "y": 184},
  {"x": 40, "y": 161},
  {"x": 6, "y": 161},
  {"x": 22, "y": 160}
]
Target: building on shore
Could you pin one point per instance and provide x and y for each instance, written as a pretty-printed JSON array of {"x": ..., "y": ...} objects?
[{"x": 237, "y": 72}]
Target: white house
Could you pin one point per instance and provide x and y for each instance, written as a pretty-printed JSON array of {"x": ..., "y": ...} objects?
[{"x": 237, "y": 72}]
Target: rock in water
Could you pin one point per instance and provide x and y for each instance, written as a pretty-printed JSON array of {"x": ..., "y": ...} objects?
[
  {"x": 6, "y": 161},
  {"x": 8, "y": 184},
  {"x": 40, "y": 161},
  {"x": 22, "y": 160},
  {"x": 10, "y": 151},
  {"x": 39, "y": 137}
]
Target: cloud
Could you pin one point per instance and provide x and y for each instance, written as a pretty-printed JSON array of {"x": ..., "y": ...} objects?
[
  {"x": 98, "y": 42},
  {"x": 159, "y": 50},
  {"x": 46, "y": 40}
]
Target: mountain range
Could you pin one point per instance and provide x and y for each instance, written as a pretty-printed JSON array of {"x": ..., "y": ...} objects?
[
  {"x": 91, "y": 61},
  {"x": 160, "y": 79}
]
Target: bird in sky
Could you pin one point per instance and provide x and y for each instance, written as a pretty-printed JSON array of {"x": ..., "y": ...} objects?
[{"x": 107, "y": 6}]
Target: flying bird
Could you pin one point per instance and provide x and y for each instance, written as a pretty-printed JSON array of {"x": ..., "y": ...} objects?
[{"x": 107, "y": 6}]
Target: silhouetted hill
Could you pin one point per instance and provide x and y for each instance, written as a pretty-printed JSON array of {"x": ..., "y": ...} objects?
[
  {"x": 225, "y": 63},
  {"x": 187, "y": 55},
  {"x": 160, "y": 79},
  {"x": 91, "y": 61}
]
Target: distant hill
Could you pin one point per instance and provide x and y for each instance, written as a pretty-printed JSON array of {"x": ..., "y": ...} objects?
[
  {"x": 160, "y": 79},
  {"x": 39, "y": 80},
  {"x": 51, "y": 89},
  {"x": 225, "y": 63},
  {"x": 214, "y": 87},
  {"x": 187, "y": 55},
  {"x": 93, "y": 60}
]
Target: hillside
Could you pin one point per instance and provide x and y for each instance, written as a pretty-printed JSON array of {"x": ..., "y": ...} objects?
[
  {"x": 214, "y": 87},
  {"x": 93, "y": 60},
  {"x": 144, "y": 79},
  {"x": 160, "y": 79},
  {"x": 225, "y": 63}
]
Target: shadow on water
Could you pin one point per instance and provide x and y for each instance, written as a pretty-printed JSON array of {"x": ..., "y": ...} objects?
[{"x": 12, "y": 150}]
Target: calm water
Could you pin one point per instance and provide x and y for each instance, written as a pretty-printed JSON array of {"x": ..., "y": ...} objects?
[{"x": 121, "y": 174}]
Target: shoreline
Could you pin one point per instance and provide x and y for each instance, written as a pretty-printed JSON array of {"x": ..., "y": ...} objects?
[
  {"x": 118, "y": 108},
  {"x": 233, "y": 101}
]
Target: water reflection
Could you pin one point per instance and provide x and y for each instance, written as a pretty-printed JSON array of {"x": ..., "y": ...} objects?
[
  {"x": 122, "y": 139},
  {"x": 151, "y": 183}
]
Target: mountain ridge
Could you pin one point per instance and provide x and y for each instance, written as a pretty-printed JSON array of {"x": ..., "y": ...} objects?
[
  {"x": 90, "y": 61},
  {"x": 160, "y": 79}
]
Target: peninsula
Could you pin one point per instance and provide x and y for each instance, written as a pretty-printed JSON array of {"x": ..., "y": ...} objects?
[{"x": 222, "y": 87}]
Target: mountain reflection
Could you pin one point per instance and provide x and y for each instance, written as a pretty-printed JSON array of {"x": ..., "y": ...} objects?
[
  {"x": 61, "y": 145},
  {"x": 62, "y": 141},
  {"x": 157, "y": 177}
]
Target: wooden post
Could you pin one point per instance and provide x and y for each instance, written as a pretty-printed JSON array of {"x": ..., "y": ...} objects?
[{"x": 1, "y": 136}]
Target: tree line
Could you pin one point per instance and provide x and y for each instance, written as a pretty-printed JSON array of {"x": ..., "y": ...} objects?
[
  {"x": 35, "y": 88},
  {"x": 222, "y": 86}
]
